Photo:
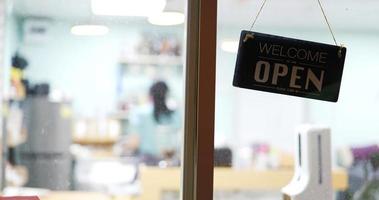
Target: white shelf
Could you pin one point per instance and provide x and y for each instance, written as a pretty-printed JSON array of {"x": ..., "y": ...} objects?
[
  {"x": 121, "y": 115},
  {"x": 152, "y": 60}
]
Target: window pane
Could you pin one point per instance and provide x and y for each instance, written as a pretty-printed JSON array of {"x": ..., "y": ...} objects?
[
  {"x": 93, "y": 93},
  {"x": 255, "y": 131}
]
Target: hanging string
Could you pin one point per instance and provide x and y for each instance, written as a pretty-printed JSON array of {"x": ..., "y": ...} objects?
[
  {"x": 327, "y": 22},
  {"x": 259, "y": 12},
  {"x": 322, "y": 10}
]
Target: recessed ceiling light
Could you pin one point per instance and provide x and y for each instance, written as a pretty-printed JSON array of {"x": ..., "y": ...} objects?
[
  {"x": 89, "y": 30},
  {"x": 139, "y": 8},
  {"x": 167, "y": 18},
  {"x": 230, "y": 46}
]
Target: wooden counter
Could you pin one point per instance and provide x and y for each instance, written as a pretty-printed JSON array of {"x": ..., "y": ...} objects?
[
  {"x": 154, "y": 181},
  {"x": 70, "y": 195}
]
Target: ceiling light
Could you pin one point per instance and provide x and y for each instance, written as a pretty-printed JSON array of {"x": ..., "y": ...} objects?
[
  {"x": 230, "y": 46},
  {"x": 139, "y": 8},
  {"x": 167, "y": 18},
  {"x": 89, "y": 30}
]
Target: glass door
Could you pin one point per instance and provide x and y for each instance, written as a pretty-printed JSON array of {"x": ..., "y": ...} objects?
[
  {"x": 255, "y": 131},
  {"x": 96, "y": 97}
]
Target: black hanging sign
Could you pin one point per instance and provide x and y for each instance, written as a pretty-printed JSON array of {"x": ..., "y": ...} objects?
[{"x": 289, "y": 66}]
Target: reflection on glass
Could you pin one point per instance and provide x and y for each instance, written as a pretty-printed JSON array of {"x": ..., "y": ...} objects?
[{"x": 93, "y": 99}]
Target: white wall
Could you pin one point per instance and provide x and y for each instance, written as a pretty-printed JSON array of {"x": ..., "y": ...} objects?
[
  {"x": 85, "y": 67},
  {"x": 354, "y": 119},
  {"x": 246, "y": 116}
]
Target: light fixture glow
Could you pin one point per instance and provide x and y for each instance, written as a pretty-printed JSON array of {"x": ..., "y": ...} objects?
[
  {"x": 89, "y": 30},
  {"x": 230, "y": 46},
  {"x": 138, "y": 8},
  {"x": 167, "y": 19}
]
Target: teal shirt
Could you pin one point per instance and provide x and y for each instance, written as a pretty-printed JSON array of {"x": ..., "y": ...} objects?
[{"x": 156, "y": 137}]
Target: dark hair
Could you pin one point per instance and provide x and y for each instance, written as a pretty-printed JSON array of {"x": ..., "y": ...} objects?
[
  {"x": 19, "y": 61},
  {"x": 158, "y": 92}
]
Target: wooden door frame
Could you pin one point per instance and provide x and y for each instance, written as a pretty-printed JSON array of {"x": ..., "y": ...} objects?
[{"x": 200, "y": 78}]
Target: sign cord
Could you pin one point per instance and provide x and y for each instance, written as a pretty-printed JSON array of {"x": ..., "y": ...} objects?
[
  {"x": 322, "y": 10},
  {"x": 327, "y": 22},
  {"x": 259, "y": 12}
]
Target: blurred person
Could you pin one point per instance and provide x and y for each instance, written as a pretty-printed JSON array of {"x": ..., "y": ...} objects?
[{"x": 157, "y": 125}]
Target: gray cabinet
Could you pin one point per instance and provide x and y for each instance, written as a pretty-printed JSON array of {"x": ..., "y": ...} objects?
[{"x": 46, "y": 151}]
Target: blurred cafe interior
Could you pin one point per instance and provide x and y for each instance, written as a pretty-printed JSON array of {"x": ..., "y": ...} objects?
[{"x": 93, "y": 103}]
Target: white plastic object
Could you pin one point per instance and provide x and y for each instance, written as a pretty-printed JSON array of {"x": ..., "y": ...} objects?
[{"x": 312, "y": 178}]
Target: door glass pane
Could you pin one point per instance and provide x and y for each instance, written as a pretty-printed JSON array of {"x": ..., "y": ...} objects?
[
  {"x": 255, "y": 131},
  {"x": 93, "y": 98}
]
